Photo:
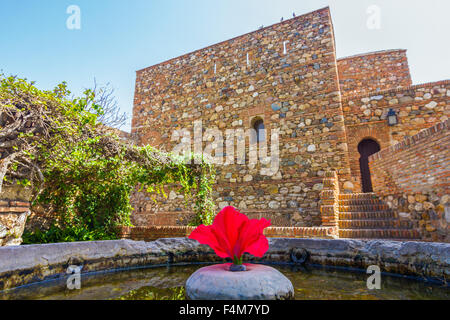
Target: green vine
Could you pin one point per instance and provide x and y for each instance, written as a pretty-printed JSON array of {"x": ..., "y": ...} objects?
[
  {"x": 195, "y": 181},
  {"x": 80, "y": 171},
  {"x": 92, "y": 196}
]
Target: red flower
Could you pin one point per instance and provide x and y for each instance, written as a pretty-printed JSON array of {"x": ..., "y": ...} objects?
[{"x": 233, "y": 233}]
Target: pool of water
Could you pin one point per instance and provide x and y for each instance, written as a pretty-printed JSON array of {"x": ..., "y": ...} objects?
[{"x": 167, "y": 283}]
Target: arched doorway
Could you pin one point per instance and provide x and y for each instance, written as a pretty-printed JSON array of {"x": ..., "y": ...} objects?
[{"x": 366, "y": 148}]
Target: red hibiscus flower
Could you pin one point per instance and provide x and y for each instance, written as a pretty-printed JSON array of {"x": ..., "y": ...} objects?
[{"x": 233, "y": 233}]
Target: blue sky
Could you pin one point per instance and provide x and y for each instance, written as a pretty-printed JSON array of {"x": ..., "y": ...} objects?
[{"x": 118, "y": 37}]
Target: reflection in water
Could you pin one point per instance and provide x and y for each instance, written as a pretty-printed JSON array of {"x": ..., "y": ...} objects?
[{"x": 168, "y": 284}]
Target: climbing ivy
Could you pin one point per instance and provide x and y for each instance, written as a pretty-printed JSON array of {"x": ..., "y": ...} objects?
[{"x": 91, "y": 193}]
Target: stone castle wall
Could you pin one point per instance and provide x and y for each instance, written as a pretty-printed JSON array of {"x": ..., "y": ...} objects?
[
  {"x": 413, "y": 178},
  {"x": 296, "y": 92},
  {"x": 372, "y": 72},
  {"x": 417, "y": 107},
  {"x": 323, "y": 108}
]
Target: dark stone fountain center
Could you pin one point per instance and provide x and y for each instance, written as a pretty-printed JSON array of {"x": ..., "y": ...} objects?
[{"x": 258, "y": 282}]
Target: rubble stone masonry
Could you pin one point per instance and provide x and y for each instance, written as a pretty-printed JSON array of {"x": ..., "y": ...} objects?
[
  {"x": 376, "y": 71},
  {"x": 417, "y": 107},
  {"x": 288, "y": 76},
  {"x": 413, "y": 177},
  {"x": 296, "y": 92}
]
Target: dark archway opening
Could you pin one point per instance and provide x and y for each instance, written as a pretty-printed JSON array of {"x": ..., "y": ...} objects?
[
  {"x": 366, "y": 148},
  {"x": 258, "y": 125}
]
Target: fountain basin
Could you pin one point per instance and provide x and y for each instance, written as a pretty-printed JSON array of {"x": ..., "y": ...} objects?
[
  {"x": 168, "y": 283},
  {"x": 23, "y": 265}
]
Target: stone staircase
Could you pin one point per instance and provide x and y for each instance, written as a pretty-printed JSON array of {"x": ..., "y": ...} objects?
[{"x": 364, "y": 216}]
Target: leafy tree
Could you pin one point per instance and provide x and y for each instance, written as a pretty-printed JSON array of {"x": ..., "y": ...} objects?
[{"x": 79, "y": 169}]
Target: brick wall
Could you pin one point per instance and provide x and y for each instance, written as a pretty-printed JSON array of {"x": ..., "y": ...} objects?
[
  {"x": 152, "y": 233},
  {"x": 417, "y": 107},
  {"x": 329, "y": 200},
  {"x": 296, "y": 92},
  {"x": 413, "y": 177},
  {"x": 372, "y": 72}
]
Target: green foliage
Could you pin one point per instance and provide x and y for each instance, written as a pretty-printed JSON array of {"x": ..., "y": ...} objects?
[
  {"x": 69, "y": 234},
  {"x": 89, "y": 192},
  {"x": 204, "y": 205},
  {"x": 89, "y": 173},
  {"x": 195, "y": 181}
]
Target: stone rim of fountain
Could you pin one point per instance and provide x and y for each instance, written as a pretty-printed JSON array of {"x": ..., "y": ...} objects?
[{"x": 23, "y": 265}]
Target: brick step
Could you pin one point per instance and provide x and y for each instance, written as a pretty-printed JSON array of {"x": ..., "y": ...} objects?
[
  {"x": 375, "y": 224},
  {"x": 328, "y": 194},
  {"x": 348, "y": 202},
  {"x": 331, "y": 174},
  {"x": 329, "y": 183},
  {"x": 364, "y": 208},
  {"x": 327, "y": 202},
  {"x": 379, "y": 234},
  {"x": 361, "y": 196},
  {"x": 367, "y": 215}
]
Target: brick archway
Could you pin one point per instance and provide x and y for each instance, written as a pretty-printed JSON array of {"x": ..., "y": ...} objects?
[
  {"x": 379, "y": 132},
  {"x": 366, "y": 148}
]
